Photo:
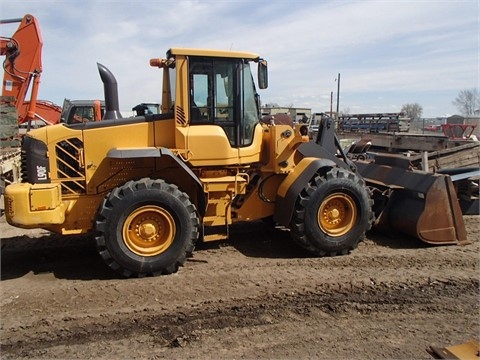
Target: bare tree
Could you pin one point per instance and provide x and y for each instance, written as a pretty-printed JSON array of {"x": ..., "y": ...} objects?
[
  {"x": 413, "y": 111},
  {"x": 467, "y": 101}
]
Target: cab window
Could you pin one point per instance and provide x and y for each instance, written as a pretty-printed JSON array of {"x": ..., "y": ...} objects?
[{"x": 222, "y": 92}]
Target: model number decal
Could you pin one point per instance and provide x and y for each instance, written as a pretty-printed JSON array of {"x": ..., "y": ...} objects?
[{"x": 41, "y": 172}]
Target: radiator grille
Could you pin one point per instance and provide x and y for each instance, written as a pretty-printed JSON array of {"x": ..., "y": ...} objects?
[{"x": 70, "y": 171}]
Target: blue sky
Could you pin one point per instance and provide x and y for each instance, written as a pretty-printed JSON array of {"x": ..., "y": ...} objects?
[{"x": 389, "y": 53}]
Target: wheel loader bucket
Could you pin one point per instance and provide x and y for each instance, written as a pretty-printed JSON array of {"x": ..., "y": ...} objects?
[
  {"x": 467, "y": 350},
  {"x": 423, "y": 205}
]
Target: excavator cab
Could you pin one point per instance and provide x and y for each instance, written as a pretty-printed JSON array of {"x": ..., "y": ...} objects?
[{"x": 82, "y": 111}]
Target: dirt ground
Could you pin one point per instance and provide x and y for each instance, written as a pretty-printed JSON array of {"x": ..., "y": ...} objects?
[{"x": 255, "y": 296}]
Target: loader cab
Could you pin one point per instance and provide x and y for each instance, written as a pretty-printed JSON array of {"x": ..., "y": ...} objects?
[
  {"x": 216, "y": 105},
  {"x": 222, "y": 92}
]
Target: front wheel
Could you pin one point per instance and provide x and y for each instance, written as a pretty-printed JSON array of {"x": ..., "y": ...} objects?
[
  {"x": 332, "y": 213},
  {"x": 146, "y": 227}
]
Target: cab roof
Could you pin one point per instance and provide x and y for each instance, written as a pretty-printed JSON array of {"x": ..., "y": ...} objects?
[{"x": 212, "y": 53}]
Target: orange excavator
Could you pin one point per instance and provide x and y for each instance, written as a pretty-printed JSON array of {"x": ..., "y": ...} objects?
[
  {"x": 20, "y": 108},
  {"x": 22, "y": 71}
]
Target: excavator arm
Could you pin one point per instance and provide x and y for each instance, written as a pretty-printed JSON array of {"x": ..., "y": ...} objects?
[{"x": 22, "y": 70}]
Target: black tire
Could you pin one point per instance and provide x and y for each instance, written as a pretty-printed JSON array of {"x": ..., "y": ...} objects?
[
  {"x": 146, "y": 227},
  {"x": 332, "y": 213}
]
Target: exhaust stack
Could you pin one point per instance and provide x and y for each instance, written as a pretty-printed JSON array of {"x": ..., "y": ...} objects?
[{"x": 110, "y": 88}]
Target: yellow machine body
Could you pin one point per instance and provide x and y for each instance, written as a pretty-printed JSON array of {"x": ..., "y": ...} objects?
[{"x": 206, "y": 156}]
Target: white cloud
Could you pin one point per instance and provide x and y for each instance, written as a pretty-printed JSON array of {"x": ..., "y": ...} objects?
[{"x": 410, "y": 49}]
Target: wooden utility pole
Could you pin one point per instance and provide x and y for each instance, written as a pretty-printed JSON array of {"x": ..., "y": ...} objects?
[{"x": 338, "y": 95}]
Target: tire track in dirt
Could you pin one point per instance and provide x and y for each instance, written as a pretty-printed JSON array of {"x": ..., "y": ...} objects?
[
  {"x": 186, "y": 326},
  {"x": 256, "y": 296}
]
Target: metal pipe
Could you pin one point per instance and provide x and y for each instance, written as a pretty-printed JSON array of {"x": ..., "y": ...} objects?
[
  {"x": 11, "y": 21},
  {"x": 110, "y": 88}
]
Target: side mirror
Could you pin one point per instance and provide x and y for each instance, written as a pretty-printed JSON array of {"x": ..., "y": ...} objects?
[{"x": 262, "y": 74}]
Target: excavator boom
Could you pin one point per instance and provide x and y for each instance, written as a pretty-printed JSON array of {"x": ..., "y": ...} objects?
[{"x": 22, "y": 70}]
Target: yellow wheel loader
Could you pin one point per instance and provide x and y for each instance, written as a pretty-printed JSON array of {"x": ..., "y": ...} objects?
[{"x": 149, "y": 187}]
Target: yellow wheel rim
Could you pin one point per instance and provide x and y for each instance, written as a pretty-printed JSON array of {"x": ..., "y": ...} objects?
[
  {"x": 149, "y": 231},
  {"x": 337, "y": 214}
]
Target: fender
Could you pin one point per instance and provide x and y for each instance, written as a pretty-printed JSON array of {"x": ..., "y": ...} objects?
[
  {"x": 153, "y": 152},
  {"x": 293, "y": 184}
]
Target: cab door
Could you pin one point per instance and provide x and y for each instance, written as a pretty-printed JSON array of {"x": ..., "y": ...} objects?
[{"x": 224, "y": 112}]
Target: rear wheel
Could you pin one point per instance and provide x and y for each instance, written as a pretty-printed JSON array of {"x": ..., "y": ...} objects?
[
  {"x": 146, "y": 227},
  {"x": 332, "y": 213}
]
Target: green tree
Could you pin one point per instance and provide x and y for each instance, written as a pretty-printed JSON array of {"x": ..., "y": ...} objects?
[
  {"x": 467, "y": 101},
  {"x": 413, "y": 111}
]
